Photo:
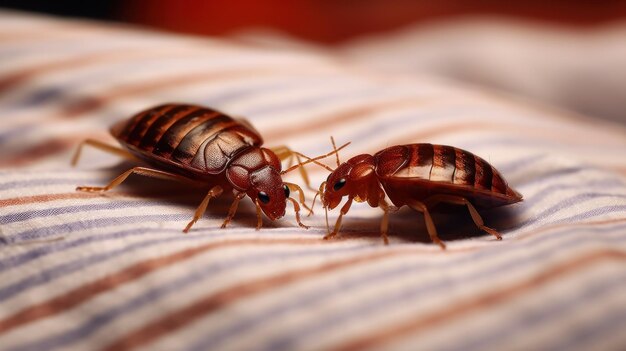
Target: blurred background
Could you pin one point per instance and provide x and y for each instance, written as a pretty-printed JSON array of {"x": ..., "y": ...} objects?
[
  {"x": 567, "y": 53},
  {"x": 325, "y": 21}
]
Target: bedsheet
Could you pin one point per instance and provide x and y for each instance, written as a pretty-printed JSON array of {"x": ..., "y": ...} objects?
[{"x": 85, "y": 271}]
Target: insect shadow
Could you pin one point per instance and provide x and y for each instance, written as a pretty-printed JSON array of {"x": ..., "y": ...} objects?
[
  {"x": 174, "y": 194},
  {"x": 453, "y": 223}
]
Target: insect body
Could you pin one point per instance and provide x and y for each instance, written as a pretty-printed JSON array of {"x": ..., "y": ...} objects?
[
  {"x": 202, "y": 145},
  {"x": 419, "y": 176}
]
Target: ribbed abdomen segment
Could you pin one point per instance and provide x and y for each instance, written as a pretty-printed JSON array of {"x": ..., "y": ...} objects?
[
  {"x": 439, "y": 163},
  {"x": 417, "y": 163},
  {"x": 474, "y": 171},
  {"x": 193, "y": 136}
]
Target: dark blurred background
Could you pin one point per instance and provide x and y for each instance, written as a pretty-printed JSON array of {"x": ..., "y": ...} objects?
[{"x": 325, "y": 21}]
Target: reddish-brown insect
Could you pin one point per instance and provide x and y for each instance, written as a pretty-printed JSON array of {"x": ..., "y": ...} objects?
[
  {"x": 204, "y": 146},
  {"x": 419, "y": 176}
]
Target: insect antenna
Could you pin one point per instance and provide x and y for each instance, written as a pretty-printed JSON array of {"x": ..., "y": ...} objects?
[
  {"x": 314, "y": 160},
  {"x": 326, "y": 214},
  {"x": 332, "y": 140},
  {"x": 318, "y": 193}
]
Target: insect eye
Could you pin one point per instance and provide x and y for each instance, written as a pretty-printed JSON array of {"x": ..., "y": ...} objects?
[
  {"x": 286, "y": 189},
  {"x": 263, "y": 197},
  {"x": 339, "y": 184}
]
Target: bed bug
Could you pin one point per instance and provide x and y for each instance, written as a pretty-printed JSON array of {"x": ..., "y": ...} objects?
[
  {"x": 419, "y": 176},
  {"x": 204, "y": 146}
]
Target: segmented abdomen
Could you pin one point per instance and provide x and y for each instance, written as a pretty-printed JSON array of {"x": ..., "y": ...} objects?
[
  {"x": 440, "y": 163},
  {"x": 192, "y": 136}
]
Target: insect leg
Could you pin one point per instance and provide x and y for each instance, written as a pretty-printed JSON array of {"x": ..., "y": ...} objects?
[
  {"x": 458, "y": 200},
  {"x": 214, "y": 192},
  {"x": 285, "y": 153},
  {"x": 430, "y": 225},
  {"x": 102, "y": 146},
  {"x": 233, "y": 209},
  {"x": 344, "y": 210},
  {"x": 154, "y": 173},
  {"x": 259, "y": 217},
  {"x": 282, "y": 153},
  {"x": 296, "y": 209},
  {"x": 384, "y": 224},
  {"x": 294, "y": 188}
]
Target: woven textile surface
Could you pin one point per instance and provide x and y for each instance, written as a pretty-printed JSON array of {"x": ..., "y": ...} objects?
[{"x": 81, "y": 271}]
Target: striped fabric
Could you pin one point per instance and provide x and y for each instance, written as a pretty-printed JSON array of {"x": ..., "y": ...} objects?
[{"x": 83, "y": 271}]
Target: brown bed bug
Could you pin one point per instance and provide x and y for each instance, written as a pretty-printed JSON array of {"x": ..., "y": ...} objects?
[
  {"x": 419, "y": 176},
  {"x": 209, "y": 148}
]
